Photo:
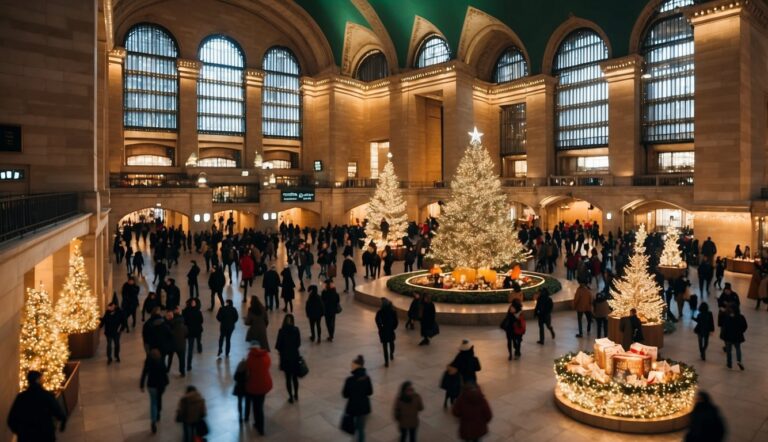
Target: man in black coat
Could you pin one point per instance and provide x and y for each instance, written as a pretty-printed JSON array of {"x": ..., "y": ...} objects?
[
  {"x": 33, "y": 411},
  {"x": 708, "y": 249},
  {"x": 429, "y": 326},
  {"x": 193, "y": 319},
  {"x": 331, "y": 303},
  {"x": 543, "y": 312},
  {"x": 348, "y": 270},
  {"x": 172, "y": 295},
  {"x": 130, "y": 294},
  {"x": 157, "y": 334},
  {"x": 194, "y": 290},
  {"x": 227, "y": 317},
  {"x": 179, "y": 339},
  {"x": 271, "y": 285},
  {"x": 216, "y": 283},
  {"x": 386, "y": 323},
  {"x": 706, "y": 423},
  {"x": 113, "y": 323}
]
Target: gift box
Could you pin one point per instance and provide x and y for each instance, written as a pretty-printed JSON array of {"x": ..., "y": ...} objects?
[
  {"x": 625, "y": 364},
  {"x": 604, "y": 350},
  {"x": 640, "y": 349}
]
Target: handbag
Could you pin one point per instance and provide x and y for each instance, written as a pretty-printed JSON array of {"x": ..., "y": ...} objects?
[
  {"x": 202, "y": 428},
  {"x": 338, "y": 309},
  {"x": 303, "y": 369},
  {"x": 504, "y": 324},
  {"x": 348, "y": 424}
]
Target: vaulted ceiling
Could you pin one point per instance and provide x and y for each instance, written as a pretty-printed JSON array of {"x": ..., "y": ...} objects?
[{"x": 532, "y": 20}]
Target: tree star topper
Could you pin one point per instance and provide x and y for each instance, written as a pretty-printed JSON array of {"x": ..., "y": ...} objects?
[{"x": 475, "y": 136}]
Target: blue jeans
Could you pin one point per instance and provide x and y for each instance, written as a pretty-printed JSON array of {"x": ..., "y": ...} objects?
[
  {"x": 360, "y": 427},
  {"x": 155, "y": 403},
  {"x": 728, "y": 346}
]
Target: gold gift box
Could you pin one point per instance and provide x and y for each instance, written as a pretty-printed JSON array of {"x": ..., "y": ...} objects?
[
  {"x": 603, "y": 354},
  {"x": 627, "y": 363}
]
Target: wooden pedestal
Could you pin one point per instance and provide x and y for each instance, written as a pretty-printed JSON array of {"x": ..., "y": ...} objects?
[
  {"x": 671, "y": 272},
  {"x": 83, "y": 345},
  {"x": 653, "y": 334},
  {"x": 70, "y": 393}
]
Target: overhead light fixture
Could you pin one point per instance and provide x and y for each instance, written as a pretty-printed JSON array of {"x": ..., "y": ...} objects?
[
  {"x": 158, "y": 204},
  {"x": 265, "y": 216},
  {"x": 196, "y": 217},
  {"x": 202, "y": 179},
  {"x": 206, "y": 217}
]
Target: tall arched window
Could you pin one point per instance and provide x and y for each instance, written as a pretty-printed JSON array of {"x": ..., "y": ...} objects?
[
  {"x": 220, "y": 91},
  {"x": 150, "y": 79},
  {"x": 510, "y": 66},
  {"x": 582, "y": 93},
  {"x": 668, "y": 81},
  {"x": 373, "y": 67},
  {"x": 281, "y": 97},
  {"x": 433, "y": 50}
]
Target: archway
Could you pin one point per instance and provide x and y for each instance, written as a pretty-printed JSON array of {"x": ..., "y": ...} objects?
[
  {"x": 242, "y": 219},
  {"x": 155, "y": 217},
  {"x": 570, "y": 210},
  {"x": 295, "y": 215},
  {"x": 356, "y": 215},
  {"x": 522, "y": 214},
  {"x": 657, "y": 215}
]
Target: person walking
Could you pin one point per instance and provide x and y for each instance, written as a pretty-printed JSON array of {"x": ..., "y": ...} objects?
[
  {"x": 172, "y": 295},
  {"x": 705, "y": 273},
  {"x": 150, "y": 302},
  {"x": 466, "y": 363},
  {"x": 179, "y": 333},
  {"x": 543, "y": 312},
  {"x": 216, "y": 283},
  {"x": 601, "y": 311},
  {"x": 192, "y": 274},
  {"x": 719, "y": 272},
  {"x": 315, "y": 310},
  {"x": 473, "y": 411},
  {"x": 193, "y": 319},
  {"x": 331, "y": 307},
  {"x": 287, "y": 346},
  {"x": 258, "y": 383},
  {"x": 414, "y": 311},
  {"x": 113, "y": 322},
  {"x": 271, "y": 284},
  {"x": 348, "y": 270},
  {"x": 138, "y": 263},
  {"x": 239, "y": 391},
  {"x": 227, "y": 317},
  {"x": 130, "y": 297},
  {"x": 32, "y": 414},
  {"x": 161, "y": 271},
  {"x": 408, "y": 405},
  {"x": 191, "y": 413},
  {"x": 386, "y": 323},
  {"x": 514, "y": 327},
  {"x": 287, "y": 286},
  {"x": 733, "y": 326},
  {"x": 429, "y": 327},
  {"x": 705, "y": 326},
  {"x": 357, "y": 391},
  {"x": 582, "y": 303},
  {"x": 155, "y": 377},
  {"x": 705, "y": 423},
  {"x": 257, "y": 321}
]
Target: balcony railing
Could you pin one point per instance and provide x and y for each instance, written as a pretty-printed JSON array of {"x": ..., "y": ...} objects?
[
  {"x": 23, "y": 214},
  {"x": 117, "y": 180},
  {"x": 580, "y": 180},
  {"x": 663, "y": 180}
]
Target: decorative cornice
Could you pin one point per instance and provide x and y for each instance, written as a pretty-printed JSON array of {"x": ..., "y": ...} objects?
[
  {"x": 624, "y": 68},
  {"x": 117, "y": 55},
  {"x": 427, "y": 72},
  {"x": 540, "y": 81},
  {"x": 715, "y": 10},
  {"x": 254, "y": 77},
  {"x": 188, "y": 69}
]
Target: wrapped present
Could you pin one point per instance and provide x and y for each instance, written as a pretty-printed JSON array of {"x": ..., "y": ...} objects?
[
  {"x": 628, "y": 363},
  {"x": 656, "y": 377},
  {"x": 583, "y": 359},
  {"x": 605, "y": 348},
  {"x": 641, "y": 349}
]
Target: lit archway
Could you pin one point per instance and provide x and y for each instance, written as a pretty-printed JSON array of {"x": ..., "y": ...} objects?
[
  {"x": 241, "y": 219},
  {"x": 296, "y": 216},
  {"x": 569, "y": 210},
  {"x": 141, "y": 223},
  {"x": 657, "y": 215},
  {"x": 356, "y": 215}
]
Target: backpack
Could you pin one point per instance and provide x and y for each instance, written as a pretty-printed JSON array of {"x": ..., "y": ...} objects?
[{"x": 518, "y": 327}]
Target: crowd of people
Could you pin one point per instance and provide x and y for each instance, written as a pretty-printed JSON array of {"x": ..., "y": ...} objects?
[{"x": 175, "y": 328}]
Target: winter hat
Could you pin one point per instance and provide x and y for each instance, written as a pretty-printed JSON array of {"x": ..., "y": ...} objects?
[
  {"x": 255, "y": 344},
  {"x": 465, "y": 345},
  {"x": 359, "y": 361}
]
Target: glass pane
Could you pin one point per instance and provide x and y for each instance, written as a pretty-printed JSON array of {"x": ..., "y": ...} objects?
[
  {"x": 511, "y": 66},
  {"x": 220, "y": 87},
  {"x": 373, "y": 67},
  {"x": 433, "y": 51},
  {"x": 281, "y": 95},
  {"x": 513, "y": 129}
]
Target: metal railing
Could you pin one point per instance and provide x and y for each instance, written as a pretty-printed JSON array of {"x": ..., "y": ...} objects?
[
  {"x": 130, "y": 180},
  {"x": 23, "y": 214},
  {"x": 580, "y": 180},
  {"x": 663, "y": 180}
]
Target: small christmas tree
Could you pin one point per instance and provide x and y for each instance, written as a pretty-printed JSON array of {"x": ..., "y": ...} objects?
[
  {"x": 475, "y": 229},
  {"x": 670, "y": 256},
  {"x": 637, "y": 288},
  {"x": 41, "y": 346},
  {"x": 77, "y": 310},
  {"x": 387, "y": 220}
]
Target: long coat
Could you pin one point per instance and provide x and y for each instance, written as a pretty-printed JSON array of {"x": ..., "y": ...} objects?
[
  {"x": 357, "y": 391},
  {"x": 582, "y": 299},
  {"x": 473, "y": 412},
  {"x": 32, "y": 413},
  {"x": 428, "y": 320},
  {"x": 271, "y": 283},
  {"x": 314, "y": 307},
  {"x": 193, "y": 318},
  {"x": 288, "y": 285},
  {"x": 287, "y": 345},
  {"x": 386, "y": 322},
  {"x": 407, "y": 412},
  {"x": 258, "y": 328}
]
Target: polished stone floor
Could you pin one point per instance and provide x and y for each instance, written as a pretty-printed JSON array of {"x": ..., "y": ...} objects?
[{"x": 112, "y": 408}]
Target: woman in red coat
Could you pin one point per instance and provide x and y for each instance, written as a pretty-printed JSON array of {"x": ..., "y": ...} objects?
[
  {"x": 473, "y": 412},
  {"x": 258, "y": 383},
  {"x": 247, "y": 266}
]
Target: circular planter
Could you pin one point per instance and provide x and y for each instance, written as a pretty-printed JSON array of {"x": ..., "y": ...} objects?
[{"x": 671, "y": 272}]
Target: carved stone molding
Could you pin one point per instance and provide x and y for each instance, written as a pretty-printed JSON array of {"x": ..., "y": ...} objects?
[
  {"x": 358, "y": 41},
  {"x": 117, "y": 55},
  {"x": 189, "y": 69},
  {"x": 421, "y": 29},
  {"x": 378, "y": 27}
]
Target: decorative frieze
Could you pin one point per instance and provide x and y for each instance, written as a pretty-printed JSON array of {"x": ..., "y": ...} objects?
[
  {"x": 117, "y": 55},
  {"x": 188, "y": 69}
]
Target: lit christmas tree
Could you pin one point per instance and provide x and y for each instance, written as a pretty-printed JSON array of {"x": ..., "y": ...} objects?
[
  {"x": 475, "y": 229},
  {"x": 670, "y": 256},
  {"x": 637, "y": 288},
  {"x": 387, "y": 204},
  {"x": 42, "y": 347},
  {"x": 77, "y": 310}
]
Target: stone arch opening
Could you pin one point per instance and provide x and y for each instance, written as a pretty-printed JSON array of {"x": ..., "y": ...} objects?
[{"x": 657, "y": 215}]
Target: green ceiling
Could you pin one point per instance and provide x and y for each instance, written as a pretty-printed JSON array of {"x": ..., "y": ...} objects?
[{"x": 532, "y": 20}]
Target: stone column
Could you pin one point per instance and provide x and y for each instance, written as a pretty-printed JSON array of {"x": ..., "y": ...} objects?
[
  {"x": 60, "y": 267},
  {"x": 254, "y": 82},
  {"x": 187, "y": 119},
  {"x": 540, "y": 121},
  {"x": 458, "y": 120},
  {"x": 624, "y": 152},
  {"x": 115, "y": 109}
]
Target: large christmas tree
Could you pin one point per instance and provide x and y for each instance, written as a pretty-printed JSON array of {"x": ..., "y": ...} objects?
[
  {"x": 475, "y": 229},
  {"x": 42, "y": 347},
  {"x": 670, "y": 256},
  {"x": 77, "y": 310},
  {"x": 637, "y": 288},
  {"x": 387, "y": 220}
]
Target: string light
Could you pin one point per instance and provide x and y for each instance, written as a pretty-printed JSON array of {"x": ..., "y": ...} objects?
[
  {"x": 475, "y": 230},
  {"x": 625, "y": 400},
  {"x": 41, "y": 345},
  {"x": 387, "y": 203},
  {"x": 670, "y": 256},
  {"x": 77, "y": 310}
]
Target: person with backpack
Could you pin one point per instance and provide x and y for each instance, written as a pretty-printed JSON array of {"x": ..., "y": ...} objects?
[
  {"x": 466, "y": 363},
  {"x": 705, "y": 325},
  {"x": 543, "y": 312},
  {"x": 191, "y": 414},
  {"x": 514, "y": 327}
]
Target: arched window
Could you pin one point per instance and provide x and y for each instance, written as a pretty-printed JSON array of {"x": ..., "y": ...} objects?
[
  {"x": 220, "y": 91},
  {"x": 668, "y": 80},
  {"x": 150, "y": 79},
  {"x": 510, "y": 66},
  {"x": 582, "y": 93},
  {"x": 281, "y": 97},
  {"x": 148, "y": 160},
  {"x": 373, "y": 67},
  {"x": 433, "y": 50},
  {"x": 216, "y": 162}
]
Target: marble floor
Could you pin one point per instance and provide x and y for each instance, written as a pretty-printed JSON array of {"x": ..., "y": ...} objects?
[{"x": 112, "y": 408}]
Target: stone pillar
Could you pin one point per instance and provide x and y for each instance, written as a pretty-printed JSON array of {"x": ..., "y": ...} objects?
[
  {"x": 458, "y": 120},
  {"x": 254, "y": 82},
  {"x": 115, "y": 109},
  {"x": 623, "y": 78},
  {"x": 187, "y": 119},
  {"x": 60, "y": 267},
  {"x": 540, "y": 129}
]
